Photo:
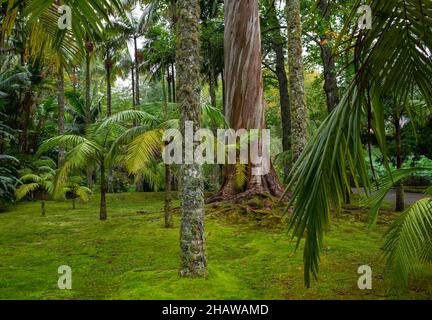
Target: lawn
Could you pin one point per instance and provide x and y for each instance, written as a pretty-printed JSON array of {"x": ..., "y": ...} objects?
[{"x": 132, "y": 256}]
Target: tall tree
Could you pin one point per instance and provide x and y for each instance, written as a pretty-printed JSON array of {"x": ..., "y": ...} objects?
[
  {"x": 277, "y": 43},
  {"x": 296, "y": 79},
  {"x": 192, "y": 242},
  {"x": 244, "y": 106}
]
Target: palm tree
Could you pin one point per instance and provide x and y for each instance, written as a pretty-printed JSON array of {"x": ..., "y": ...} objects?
[
  {"x": 40, "y": 180},
  {"x": 73, "y": 189},
  {"x": 393, "y": 56},
  {"x": 82, "y": 152}
]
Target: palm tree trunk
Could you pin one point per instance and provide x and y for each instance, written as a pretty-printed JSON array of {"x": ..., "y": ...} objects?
[
  {"x": 73, "y": 204},
  {"x": 43, "y": 212},
  {"x": 192, "y": 242},
  {"x": 173, "y": 75},
  {"x": 400, "y": 196},
  {"x": 109, "y": 112},
  {"x": 296, "y": 79},
  {"x": 61, "y": 110},
  {"x": 103, "y": 209},
  {"x": 87, "y": 110},
  {"x": 168, "y": 174}
]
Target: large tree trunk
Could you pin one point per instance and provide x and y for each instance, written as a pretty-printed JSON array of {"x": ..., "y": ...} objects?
[
  {"x": 193, "y": 259},
  {"x": 296, "y": 79},
  {"x": 61, "y": 110},
  {"x": 244, "y": 107},
  {"x": 400, "y": 196},
  {"x": 330, "y": 81},
  {"x": 103, "y": 209},
  {"x": 277, "y": 46}
]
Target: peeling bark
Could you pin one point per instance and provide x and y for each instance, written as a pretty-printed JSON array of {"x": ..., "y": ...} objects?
[{"x": 244, "y": 105}]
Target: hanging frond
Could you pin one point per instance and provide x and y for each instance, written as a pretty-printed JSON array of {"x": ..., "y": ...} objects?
[{"x": 409, "y": 240}]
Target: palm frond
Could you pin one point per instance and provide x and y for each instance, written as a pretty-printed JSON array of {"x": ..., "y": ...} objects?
[{"x": 409, "y": 240}]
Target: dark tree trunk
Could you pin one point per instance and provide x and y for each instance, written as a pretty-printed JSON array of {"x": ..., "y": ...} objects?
[
  {"x": 168, "y": 174},
  {"x": 73, "y": 204},
  {"x": 108, "y": 84},
  {"x": 43, "y": 212},
  {"x": 330, "y": 81},
  {"x": 87, "y": 111},
  {"x": 244, "y": 93},
  {"x": 170, "y": 98},
  {"x": 137, "y": 81},
  {"x": 103, "y": 209},
  {"x": 400, "y": 201},
  {"x": 192, "y": 242},
  {"x": 173, "y": 75},
  {"x": 278, "y": 48},
  {"x": 133, "y": 88},
  {"x": 61, "y": 110}
]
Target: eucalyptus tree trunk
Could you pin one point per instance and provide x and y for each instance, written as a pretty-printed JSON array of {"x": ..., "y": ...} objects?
[
  {"x": 330, "y": 81},
  {"x": 400, "y": 195},
  {"x": 244, "y": 106},
  {"x": 192, "y": 242},
  {"x": 61, "y": 110},
  {"x": 296, "y": 79},
  {"x": 277, "y": 43}
]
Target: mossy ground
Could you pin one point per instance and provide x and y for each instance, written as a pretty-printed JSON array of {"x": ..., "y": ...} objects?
[{"x": 132, "y": 256}]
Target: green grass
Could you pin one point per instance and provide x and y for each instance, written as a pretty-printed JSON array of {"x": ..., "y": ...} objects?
[{"x": 133, "y": 256}]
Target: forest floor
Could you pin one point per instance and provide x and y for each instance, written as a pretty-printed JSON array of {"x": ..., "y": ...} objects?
[{"x": 132, "y": 256}]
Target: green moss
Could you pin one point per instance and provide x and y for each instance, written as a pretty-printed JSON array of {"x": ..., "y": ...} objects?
[{"x": 132, "y": 256}]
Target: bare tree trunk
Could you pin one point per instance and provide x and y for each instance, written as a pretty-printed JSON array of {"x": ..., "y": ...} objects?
[
  {"x": 296, "y": 79},
  {"x": 244, "y": 107},
  {"x": 103, "y": 209},
  {"x": 168, "y": 174},
  {"x": 61, "y": 110},
  {"x": 87, "y": 111},
  {"x": 192, "y": 242},
  {"x": 43, "y": 211},
  {"x": 400, "y": 196},
  {"x": 330, "y": 81},
  {"x": 277, "y": 46}
]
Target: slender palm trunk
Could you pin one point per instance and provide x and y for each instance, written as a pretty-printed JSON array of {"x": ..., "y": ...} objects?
[
  {"x": 61, "y": 110},
  {"x": 168, "y": 174},
  {"x": 108, "y": 67},
  {"x": 296, "y": 79},
  {"x": 73, "y": 204},
  {"x": 192, "y": 242},
  {"x": 400, "y": 196},
  {"x": 103, "y": 209},
  {"x": 87, "y": 110},
  {"x": 43, "y": 212}
]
